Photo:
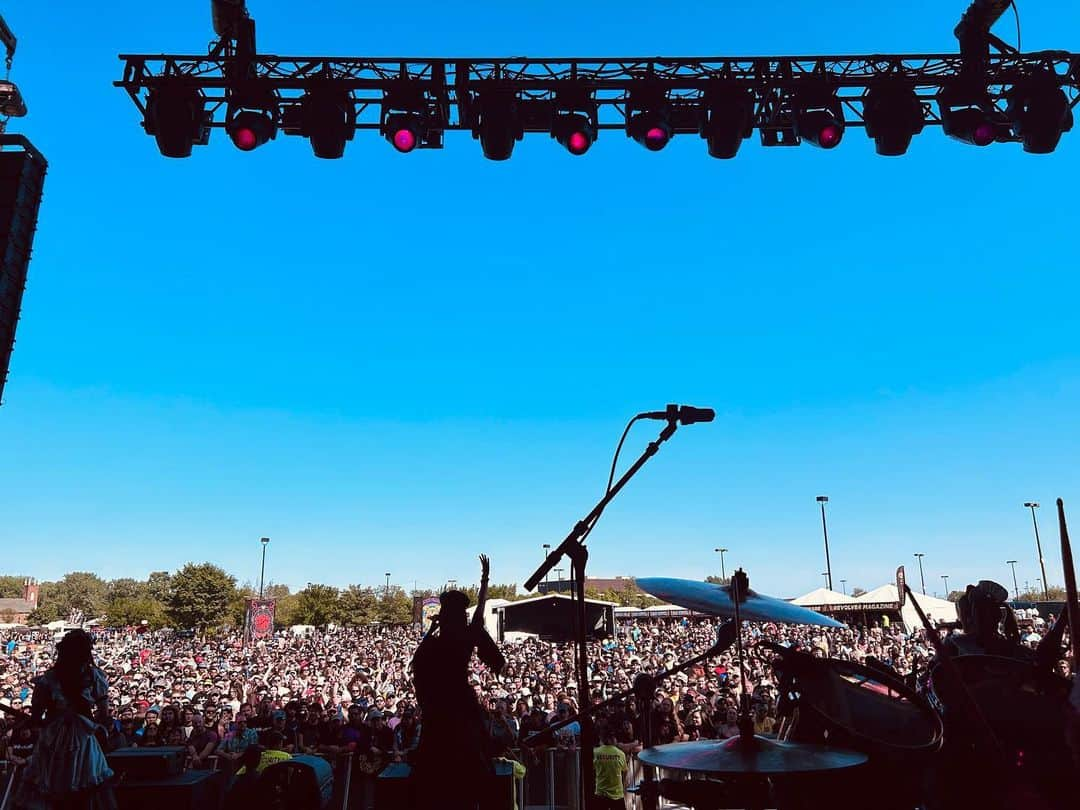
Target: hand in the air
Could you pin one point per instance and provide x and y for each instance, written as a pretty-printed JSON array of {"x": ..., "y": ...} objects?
[{"x": 485, "y": 566}]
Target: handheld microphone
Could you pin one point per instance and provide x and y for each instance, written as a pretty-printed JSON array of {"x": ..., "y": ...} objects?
[{"x": 684, "y": 414}]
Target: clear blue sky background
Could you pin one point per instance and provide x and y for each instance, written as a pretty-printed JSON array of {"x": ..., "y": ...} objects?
[{"x": 392, "y": 363}]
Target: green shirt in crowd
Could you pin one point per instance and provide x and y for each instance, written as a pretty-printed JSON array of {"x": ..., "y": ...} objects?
[{"x": 609, "y": 763}]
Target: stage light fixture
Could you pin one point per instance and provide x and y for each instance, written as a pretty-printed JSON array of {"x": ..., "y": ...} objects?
[
  {"x": 176, "y": 117},
  {"x": 966, "y": 118},
  {"x": 497, "y": 125},
  {"x": 819, "y": 119},
  {"x": 250, "y": 128},
  {"x": 1038, "y": 111},
  {"x": 574, "y": 131},
  {"x": 650, "y": 128},
  {"x": 403, "y": 130},
  {"x": 328, "y": 120},
  {"x": 728, "y": 119},
  {"x": 893, "y": 115}
]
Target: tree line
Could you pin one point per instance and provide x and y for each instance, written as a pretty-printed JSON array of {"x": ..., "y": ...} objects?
[{"x": 203, "y": 596}]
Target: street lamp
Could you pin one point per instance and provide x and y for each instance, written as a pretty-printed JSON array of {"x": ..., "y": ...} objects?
[
  {"x": 387, "y": 584},
  {"x": 1032, "y": 505},
  {"x": 919, "y": 555},
  {"x": 547, "y": 548},
  {"x": 824, "y": 499},
  {"x": 723, "y": 573},
  {"x": 946, "y": 578},
  {"x": 451, "y": 584},
  {"x": 826, "y": 575},
  {"x": 262, "y": 571},
  {"x": 843, "y": 584},
  {"x": 1016, "y": 588},
  {"x": 1041, "y": 584}
]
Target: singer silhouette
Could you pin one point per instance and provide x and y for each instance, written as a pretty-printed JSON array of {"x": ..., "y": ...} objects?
[{"x": 454, "y": 758}]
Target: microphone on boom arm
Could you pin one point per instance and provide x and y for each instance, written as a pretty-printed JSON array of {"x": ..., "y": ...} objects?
[{"x": 683, "y": 414}]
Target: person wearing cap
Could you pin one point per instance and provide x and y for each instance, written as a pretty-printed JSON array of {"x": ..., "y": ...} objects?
[{"x": 453, "y": 760}]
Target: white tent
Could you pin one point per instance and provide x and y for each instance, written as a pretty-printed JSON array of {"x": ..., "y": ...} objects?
[
  {"x": 940, "y": 610},
  {"x": 823, "y": 597}
]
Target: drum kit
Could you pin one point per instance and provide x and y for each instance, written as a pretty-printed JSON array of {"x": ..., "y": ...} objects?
[{"x": 847, "y": 731}]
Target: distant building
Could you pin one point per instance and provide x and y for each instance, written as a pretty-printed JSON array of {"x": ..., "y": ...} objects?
[
  {"x": 617, "y": 584},
  {"x": 16, "y": 611}
]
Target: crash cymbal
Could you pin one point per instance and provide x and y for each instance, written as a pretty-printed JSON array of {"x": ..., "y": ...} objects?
[
  {"x": 716, "y": 600},
  {"x": 757, "y": 755}
]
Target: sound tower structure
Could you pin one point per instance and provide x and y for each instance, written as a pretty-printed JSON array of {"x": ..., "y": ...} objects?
[{"x": 22, "y": 176}]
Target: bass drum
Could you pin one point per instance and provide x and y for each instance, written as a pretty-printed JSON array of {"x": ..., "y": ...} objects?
[
  {"x": 1025, "y": 708},
  {"x": 847, "y": 705}
]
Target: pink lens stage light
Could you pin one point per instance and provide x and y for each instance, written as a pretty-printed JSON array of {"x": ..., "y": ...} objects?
[
  {"x": 983, "y": 134},
  {"x": 656, "y": 137},
  {"x": 829, "y": 136},
  {"x": 404, "y": 140},
  {"x": 578, "y": 143},
  {"x": 245, "y": 139}
]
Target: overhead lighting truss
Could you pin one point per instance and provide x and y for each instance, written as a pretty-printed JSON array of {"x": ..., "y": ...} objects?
[{"x": 496, "y": 99}]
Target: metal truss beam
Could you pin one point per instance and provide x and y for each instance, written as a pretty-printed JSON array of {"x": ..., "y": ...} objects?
[{"x": 447, "y": 87}]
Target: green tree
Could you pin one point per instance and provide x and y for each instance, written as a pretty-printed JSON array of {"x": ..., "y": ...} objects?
[
  {"x": 395, "y": 606},
  {"x": 79, "y": 590},
  {"x": 125, "y": 588},
  {"x": 316, "y": 604},
  {"x": 44, "y": 613},
  {"x": 11, "y": 586},
  {"x": 200, "y": 596},
  {"x": 359, "y": 606},
  {"x": 159, "y": 586},
  {"x": 1033, "y": 594},
  {"x": 503, "y": 591},
  {"x": 129, "y": 611}
]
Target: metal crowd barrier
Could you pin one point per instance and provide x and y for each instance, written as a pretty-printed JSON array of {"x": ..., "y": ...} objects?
[{"x": 9, "y": 774}]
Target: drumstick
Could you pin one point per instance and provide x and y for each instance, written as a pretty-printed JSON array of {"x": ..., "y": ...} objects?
[{"x": 1071, "y": 606}]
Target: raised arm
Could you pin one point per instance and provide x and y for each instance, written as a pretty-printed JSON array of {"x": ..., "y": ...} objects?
[{"x": 481, "y": 599}]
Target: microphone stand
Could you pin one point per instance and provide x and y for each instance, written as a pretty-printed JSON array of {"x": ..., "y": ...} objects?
[{"x": 575, "y": 549}]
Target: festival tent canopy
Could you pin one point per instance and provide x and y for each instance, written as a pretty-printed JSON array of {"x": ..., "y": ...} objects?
[
  {"x": 823, "y": 597},
  {"x": 940, "y": 610}
]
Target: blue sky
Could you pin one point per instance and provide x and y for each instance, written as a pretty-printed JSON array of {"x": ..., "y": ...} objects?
[{"x": 393, "y": 363}]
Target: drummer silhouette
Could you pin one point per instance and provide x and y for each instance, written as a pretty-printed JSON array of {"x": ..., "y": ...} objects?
[{"x": 454, "y": 758}]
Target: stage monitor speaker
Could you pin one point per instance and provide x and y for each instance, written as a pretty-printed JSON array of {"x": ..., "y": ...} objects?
[
  {"x": 139, "y": 764},
  {"x": 22, "y": 175},
  {"x": 301, "y": 783},
  {"x": 193, "y": 790}
]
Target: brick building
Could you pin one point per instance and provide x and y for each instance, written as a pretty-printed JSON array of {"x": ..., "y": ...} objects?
[{"x": 15, "y": 611}]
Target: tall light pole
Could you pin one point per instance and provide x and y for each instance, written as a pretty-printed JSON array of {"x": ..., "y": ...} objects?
[
  {"x": 387, "y": 584},
  {"x": 1016, "y": 588},
  {"x": 547, "y": 548},
  {"x": 1032, "y": 505},
  {"x": 919, "y": 555},
  {"x": 826, "y": 575},
  {"x": 262, "y": 571},
  {"x": 451, "y": 584},
  {"x": 946, "y": 578},
  {"x": 1041, "y": 584},
  {"x": 723, "y": 573},
  {"x": 824, "y": 499},
  {"x": 843, "y": 584}
]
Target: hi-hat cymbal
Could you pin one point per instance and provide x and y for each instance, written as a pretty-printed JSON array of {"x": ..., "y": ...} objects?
[
  {"x": 757, "y": 755},
  {"x": 716, "y": 600}
]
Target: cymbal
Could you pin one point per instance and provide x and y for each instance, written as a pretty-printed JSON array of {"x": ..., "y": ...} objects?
[
  {"x": 758, "y": 755},
  {"x": 716, "y": 600}
]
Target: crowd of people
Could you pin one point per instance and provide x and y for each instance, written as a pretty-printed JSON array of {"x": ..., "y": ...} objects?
[{"x": 218, "y": 695}]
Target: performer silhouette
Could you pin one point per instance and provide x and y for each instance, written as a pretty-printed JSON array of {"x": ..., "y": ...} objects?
[{"x": 454, "y": 757}]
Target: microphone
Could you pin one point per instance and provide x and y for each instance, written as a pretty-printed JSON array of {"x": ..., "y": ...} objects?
[{"x": 684, "y": 414}]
